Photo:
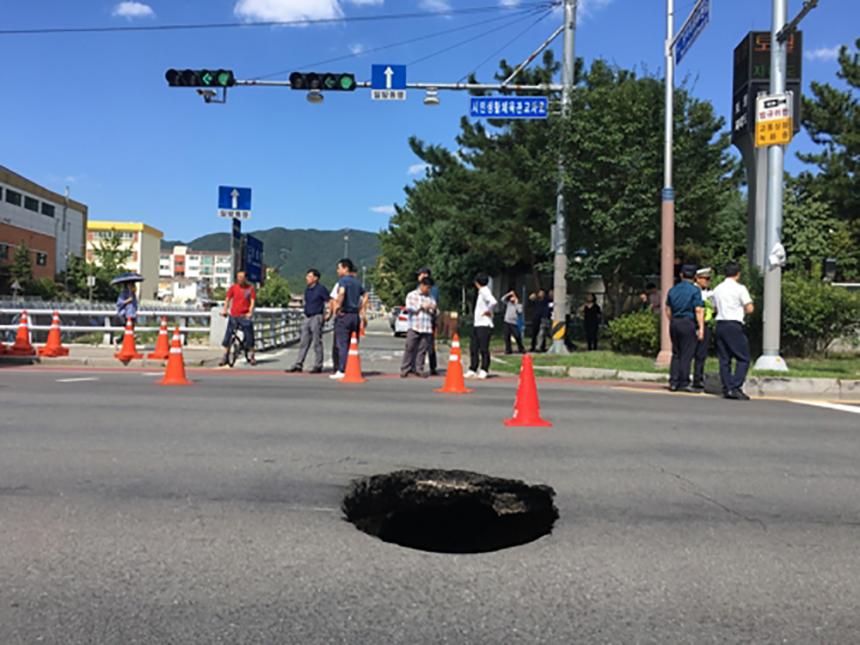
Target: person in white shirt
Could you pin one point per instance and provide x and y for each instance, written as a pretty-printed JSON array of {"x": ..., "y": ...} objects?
[
  {"x": 482, "y": 329},
  {"x": 732, "y": 302}
]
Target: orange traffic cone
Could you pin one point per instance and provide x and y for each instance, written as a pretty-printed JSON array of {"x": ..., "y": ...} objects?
[
  {"x": 175, "y": 372},
  {"x": 54, "y": 347},
  {"x": 22, "y": 346},
  {"x": 353, "y": 363},
  {"x": 162, "y": 345},
  {"x": 527, "y": 406},
  {"x": 454, "y": 383},
  {"x": 128, "y": 351}
]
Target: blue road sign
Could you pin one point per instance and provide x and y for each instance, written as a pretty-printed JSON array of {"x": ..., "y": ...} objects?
[
  {"x": 695, "y": 25},
  {"x": 510, "y": 107},
  {"x": 234, "y": 202},
  {"x": 253, "y": 259},
  {"x": 388, "y": 77}
]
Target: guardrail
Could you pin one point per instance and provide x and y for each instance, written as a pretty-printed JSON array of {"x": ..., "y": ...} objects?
[{"x": 273, "y": 327}]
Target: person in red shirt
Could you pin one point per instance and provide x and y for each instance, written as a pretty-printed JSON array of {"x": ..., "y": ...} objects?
[{"x": 240, "y": 302}]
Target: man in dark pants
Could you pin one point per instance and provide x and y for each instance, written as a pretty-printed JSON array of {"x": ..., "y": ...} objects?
[
  {"x": 346, "y": 309},
  {"x": 421, "y": 308},
  {"x": 703, "y": 281},
  {"x": 482, "y": 329},
  {"x": 686, "y": 312},
  {"x": 732, "y": 301},
  {"x": 539, "y": 317},
  {"x": 424, "y": 272},
  {"x": 513, "y": 311},
  {"x": 316, "y": 305}
]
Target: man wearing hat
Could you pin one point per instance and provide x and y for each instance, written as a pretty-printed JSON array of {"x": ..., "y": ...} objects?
[
  {"x": 703, "y": 281},
  {"x": 686, "y": 312},
  {"x": 424, "y": 272}
]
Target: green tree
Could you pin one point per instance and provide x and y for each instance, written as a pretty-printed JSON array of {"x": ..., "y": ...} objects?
[
  {"x": 22, "y": 266},
  {"x": 831, "y": 116},
  {"x": 275, "y": 292}
]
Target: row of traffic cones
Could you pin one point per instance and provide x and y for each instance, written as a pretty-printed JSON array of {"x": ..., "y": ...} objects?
[{"x": 526, "y": 405}]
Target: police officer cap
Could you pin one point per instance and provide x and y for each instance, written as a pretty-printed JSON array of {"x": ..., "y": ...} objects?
[
  {"x": 688, "y": 270},
  {"x": 707, "y": 272}
]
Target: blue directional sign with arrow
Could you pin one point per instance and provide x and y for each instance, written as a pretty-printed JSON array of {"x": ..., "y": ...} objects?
[
  {"x": 234, "y": 202},
  {"x": 388, "y": 82}
]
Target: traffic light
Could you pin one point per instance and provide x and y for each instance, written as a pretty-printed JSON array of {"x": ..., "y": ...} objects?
[
  {"x": 323, "y": 81},
  {"x": 200, "y": 78}
]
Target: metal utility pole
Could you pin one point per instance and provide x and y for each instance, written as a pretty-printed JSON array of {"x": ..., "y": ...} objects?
[
  {"x": 771, "y": 314},
  {"x": 667, "y": 216},
  {"x": 560, "y": 261}
]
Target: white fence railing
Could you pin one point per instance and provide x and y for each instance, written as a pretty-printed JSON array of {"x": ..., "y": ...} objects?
[{"x": 273, "y": 327}]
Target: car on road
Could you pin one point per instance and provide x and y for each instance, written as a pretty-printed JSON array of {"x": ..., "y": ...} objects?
[{"x": 399, "y": 321}]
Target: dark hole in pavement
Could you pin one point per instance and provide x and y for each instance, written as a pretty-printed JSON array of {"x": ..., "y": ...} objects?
[{"x": 450, "y": 511}]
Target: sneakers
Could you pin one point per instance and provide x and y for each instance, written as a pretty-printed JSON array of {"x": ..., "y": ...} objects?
[
  {"x": 482, "y": 374},
  {"x": 470, "y": 374},
  {"x": 337, "y": 376}
]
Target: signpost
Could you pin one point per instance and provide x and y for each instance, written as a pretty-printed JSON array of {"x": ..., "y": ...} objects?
[
  {"x": 510, "y": 107},
  {"x": 388, "y": 83},
  {"x": 695, "y": 25},
  {"x": 773, "y": 124},
  {"x": 253, "y": 259},
  {"x": 234, "y": 202}
]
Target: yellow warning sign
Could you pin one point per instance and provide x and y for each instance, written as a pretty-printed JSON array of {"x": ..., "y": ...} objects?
[{"x": 774, "y": 122}]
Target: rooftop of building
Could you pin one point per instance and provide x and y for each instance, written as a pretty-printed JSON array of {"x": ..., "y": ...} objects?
[
  {"x": 12, "y": 178},
  {"x": 109, "y": 225}
]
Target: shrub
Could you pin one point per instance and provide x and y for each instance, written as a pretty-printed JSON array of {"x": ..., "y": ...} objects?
[
  {"x": 815, "y": 313},
  {"x": 636, "y": 333}
]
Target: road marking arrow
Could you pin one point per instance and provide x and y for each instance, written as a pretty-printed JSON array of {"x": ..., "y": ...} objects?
[{"x": 389, "y": 78}]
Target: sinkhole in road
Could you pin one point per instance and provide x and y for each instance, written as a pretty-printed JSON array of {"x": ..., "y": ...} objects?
[{"x": 450, "y": 511}]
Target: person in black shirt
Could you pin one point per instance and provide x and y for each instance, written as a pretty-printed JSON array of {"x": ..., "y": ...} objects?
[
  {"x": 539, "y": 319},
  {"x": 347, "y": 309},
  {"x": 591, "y": 315},
  {"x": 316, "y": 304}
]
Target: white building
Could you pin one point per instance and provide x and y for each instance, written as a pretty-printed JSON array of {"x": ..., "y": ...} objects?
[
  {"x": 142, "y": 240},
  {"x": 211, "y": 267}
]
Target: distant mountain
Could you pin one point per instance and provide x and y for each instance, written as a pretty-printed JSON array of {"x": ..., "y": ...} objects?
[{"x": 293, "y": 251}]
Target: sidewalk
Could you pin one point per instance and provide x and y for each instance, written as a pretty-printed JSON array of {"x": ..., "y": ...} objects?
[{"x": 103, "y": 356}]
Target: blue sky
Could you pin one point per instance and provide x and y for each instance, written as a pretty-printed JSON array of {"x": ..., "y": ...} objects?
[{"x": 93, "y": 110}]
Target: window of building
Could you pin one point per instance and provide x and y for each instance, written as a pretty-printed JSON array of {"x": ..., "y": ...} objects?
[
  {"x": 48, "y": 209},
  {"x": 1, "y": 192},
  {"x": 13, "y": 197},
  {"x": 4, "y": 251},
  {"x": 31, "y": 204},
  {"x": 41, "y": 259}
]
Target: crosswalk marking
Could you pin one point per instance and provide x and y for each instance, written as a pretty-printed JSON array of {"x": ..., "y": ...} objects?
[{"x": 841, "y": 407}]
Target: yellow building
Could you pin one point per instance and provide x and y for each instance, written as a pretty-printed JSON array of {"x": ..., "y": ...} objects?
[{"x": 142, "y": 240}]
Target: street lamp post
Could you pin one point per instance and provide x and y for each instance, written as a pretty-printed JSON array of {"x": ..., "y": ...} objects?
[{"x": 667, "y": 216}]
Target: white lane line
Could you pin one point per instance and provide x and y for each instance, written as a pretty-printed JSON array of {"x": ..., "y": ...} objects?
[
  {"x": 152, "y": 374},
  {"x": 77, "y": 380},
  {"x": 830, "y": 406}
]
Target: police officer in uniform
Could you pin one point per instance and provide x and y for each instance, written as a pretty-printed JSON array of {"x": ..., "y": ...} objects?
[
  {"x": 686, "y": 312},
  {"x": 703, "y": 281}
]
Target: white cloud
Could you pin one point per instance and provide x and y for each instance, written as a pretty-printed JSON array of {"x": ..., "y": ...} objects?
[
  {"x": 383, "y": 210},
  {"x": 417, "y": 168},
  {"x": 438, "y": 6},
  {"x": 133, "y": 10},
  {"x": 357, "y": 49},
  {"x": 823, "y": 53},
  {"x": 290, "y": 10}
]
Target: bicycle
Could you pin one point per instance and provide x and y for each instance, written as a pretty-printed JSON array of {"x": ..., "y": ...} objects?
[{"x": 236, "y": 347}]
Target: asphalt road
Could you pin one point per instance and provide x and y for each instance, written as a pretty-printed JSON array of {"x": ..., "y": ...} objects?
[{"x": 131, "y": 513}]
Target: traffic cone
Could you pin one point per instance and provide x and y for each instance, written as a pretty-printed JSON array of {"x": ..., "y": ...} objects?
[
  {"x": 527, "y": 406},
  {"x": 175, "y": 372},
  {"x": 128, "y": 351},
  {"x": 54, "y": 347},
  {"x": 162, "y": 345},
  {"x": 353, "y": 363},
  {"x": 454, "y": 383},
  {"x": 22, "y": 346}
]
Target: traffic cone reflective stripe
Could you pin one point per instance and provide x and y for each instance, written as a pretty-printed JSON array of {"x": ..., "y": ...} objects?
[
  {"x": 174, "y": 374},
  {"x": 162, "y": 345},
  {"x": 54, "y": 347},
  {"x": 527, "y": 406},
  {"x": 454, "y": 383},
  {"x": 353, "y": 363},
  {"x": 128, "y": 351},
  {"x": 22, "y": 346}
]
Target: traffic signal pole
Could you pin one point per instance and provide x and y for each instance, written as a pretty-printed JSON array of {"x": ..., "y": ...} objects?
[{"x": 559, "y": 311}]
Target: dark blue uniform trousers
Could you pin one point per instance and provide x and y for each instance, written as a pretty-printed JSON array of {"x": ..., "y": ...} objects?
[
  {"x": 683, "y": 334},
  {"x": 732, "y": 343},
  {"x": 344, "y": 326}
]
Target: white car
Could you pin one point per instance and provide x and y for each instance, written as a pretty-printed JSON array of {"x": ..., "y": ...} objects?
[{"x": 399, "y": 321}]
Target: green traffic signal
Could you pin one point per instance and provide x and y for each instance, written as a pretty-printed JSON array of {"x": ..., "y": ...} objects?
[
  {"x": 200, "y": 78},
  {"x": 326, "y": 82}
]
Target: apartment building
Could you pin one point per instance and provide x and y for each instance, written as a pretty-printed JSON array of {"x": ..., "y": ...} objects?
[{"x": 142, "y": 240}]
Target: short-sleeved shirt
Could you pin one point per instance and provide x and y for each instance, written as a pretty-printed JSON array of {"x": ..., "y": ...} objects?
[
  {"x": 316, "y": 298},
  {"x": 242, "y": 298},
  {"x": 729, "y": 298},
  {"x": 485, "y": 303},
  {"x": 683, "y": 299},
  {"x": 420, "y": 320},
  {"x": 353, "y": 291}
]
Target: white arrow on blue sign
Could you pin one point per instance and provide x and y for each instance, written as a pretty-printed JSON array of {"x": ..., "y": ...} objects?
[
  {"x": 234, "y": 202},
  {"x": 695, "y": 25},
  {"x": 510, "y": 107}
]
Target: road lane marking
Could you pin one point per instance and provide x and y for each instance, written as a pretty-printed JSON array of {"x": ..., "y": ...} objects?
[
  {"x": 840, "y": 407},
  {"x": 77, "y": 380}
]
